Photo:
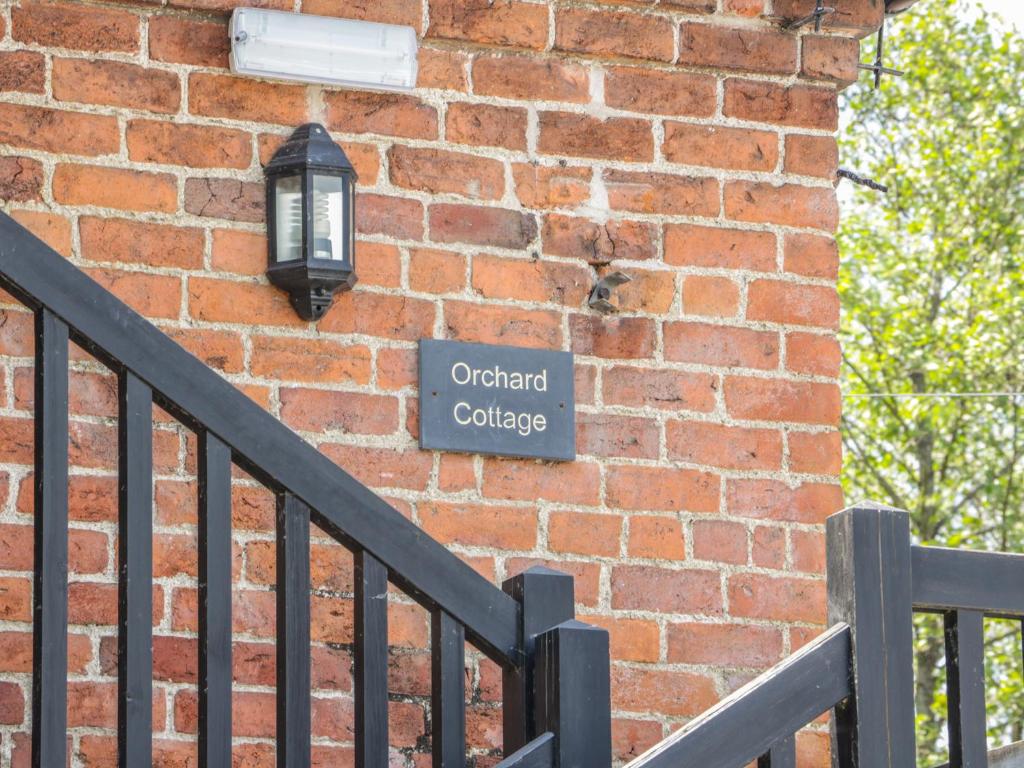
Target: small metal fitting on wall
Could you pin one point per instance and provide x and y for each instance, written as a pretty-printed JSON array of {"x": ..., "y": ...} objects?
[{"x": 600, "y": 297}]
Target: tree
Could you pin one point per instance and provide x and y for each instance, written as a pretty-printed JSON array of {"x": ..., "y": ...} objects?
[{"x": 932, "y": 285}]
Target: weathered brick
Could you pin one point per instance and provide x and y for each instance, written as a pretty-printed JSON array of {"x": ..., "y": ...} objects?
[
  {"x": 610, "y": 435},
  {"x": 734, "y": 645},
  {"x": 69, "y": 25},
  {"x": 710, "y": 296},
  {"x": 830, "y": 58},
  {"x": 689, "y": 245},
  {"x": 515, "y": 479},
  {"x": 721, "y": 345},
  {"x": 617, "y": 138},
  {"x": 750, "y": 50},
  {"x": 196, "y": 146},
  {"x": 376, "y": 314},
  {"x": 226, "y": 199},
  {"x": 661, "y": 193},
  {"x": 646, "y": 588},
  {"x": 716, "y": 146},
  {"x": 799, "y": 402},
  {"x": 623, "y": 338},
  {"x": 495, "y": 324},
  {"x": 720, "y": 541},
  {"x": 812, "y": 156},
  {"x": 189, "y": 41},
  {"x": 660, "y": 92},
  {"x": 519, "y": 77},
  {"x": 219, "y": 349},
  {"x": 857, "y": 15},
  {"x": 813, "y": 353},
  {"x": 547, "y": 186},
  {"x": 702, "y": 442},
  {"x": 442, "y": 69},
  {"x": 614, "y": 33},
  {"x": 141, "y": 243},
  {"x": 149, "y": 295},
  {"x": 117, "y": 84},
  {"x": 391, "y": 114},
  {"x": 658, "y": 538},
  {"x": 479, "y": 525},
  {"x": 781, "y": 599},
  {"x": 437, "y": 172},
  {"x": 53, "y": 229},
  {"x": 496, "y": 227},
  {"x": 779, "y": 301},
  {"x": 598, "y": 243},
  {"x": 748, "y": 8},
  {"x": 654, "y": 388},
  {"x": 649, "y": 689},
  {"x": 530, "y": 280},
  {"x": 115, "y": 188},
  {"x": 404, "y": 12},
  {"x": 382, "y": 467},
  {"x": 21, "y": 179},
  {"x": 658, "y": 489},
  {"x": 508, "y": 22},
  {"x": 787, "y": 204},
  {"x": 585, "y": 533},
  {"x": 651, "y": 290},
  {"x": 630, "y": 639},
  {"x": 226, "y": 301},
  {"x": 818, "y": 453},
  {"x": 434, "y": 271},
  {"x": 795, "y": 105},
  {"x": 240, "y": 98},
  {"x": 486, "y": 125},
  {"x": 52, "y": 130},
  {"x": 392, "y": 216},
  {"x": 23, "y": 71},
  {"x": 318, "y": 410},
  {"x": 310, "y": 360}
]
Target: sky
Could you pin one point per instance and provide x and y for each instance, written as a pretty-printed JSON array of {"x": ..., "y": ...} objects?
[{"x": 1011, "y": 10}]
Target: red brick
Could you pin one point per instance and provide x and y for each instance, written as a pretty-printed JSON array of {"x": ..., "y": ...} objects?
[
  {"x": 688, "y": 245},
  {"x": 544, "y": 186},
  {"x": 646, "y": 588},
  {"x": 773, "y": 500},
  {"x": 189, "y": 41},
  {"x": 859, "y": 16},
  {"x": 434, "y": 271},
  {"x": 286, "y": 358},
  {"x": 779, "y": 301},
  {"x": 494, "y": 324},
  {"x": 15, "y": 599},
  {"x": 721, "y": 345},
  {"x": 375, "y": 314},
  {"x": 134, "y": 242},
  {"x": 750, "y": 8},
  {"x": 456, "y": 473},
  {"x": 769, "y": 549},
  {"x": 663, "y": 389},
  {"x": 598, "y": 243},
  {"x": 585, "y": 534},
  {"x": 658, "y": 489},
  {"x": 751, "y": 50},
  {"x": 150, "y": 295},
  {"x": 382, "y": 467},
  {"x": 510, "y": 479},
  {"x": 365, "y": 158},
  {"x": 442, "y": 69},
  {"x": 716, "y": 146},
  {"x": 660, "y": 92},
  {"x": 612, "y": 337},
  {"x": 396, "y": 217},
  {"x": 391, "y": 114},
  {"x": 813, "y": 353},
  {"x": 21, "y": 179},
  {"x": 53, "y": 229},
  {"x": 780, "y": 599},
  {"x": 244, "y": 253},
  {"x": 225, "y": 301},
  {"x": 666, "y": 692},
  {"x": 659, "y": 538},
  {"x": 23, "y": 71},
  {"x": 702, "y": 442},
  {"x": 812, "y": 156},
  {"x": 720, "y": 541},
  {"x": 116, "y": 84},
  {"x": 239, "y": 98},
  {"x": 710, "y": 296},
  {"x": 724, "y": 645},
  {"x": 614, "y": 33},
  {"x": 530, "y": 280},
  {"x": 830, "y": 58},
  {"x": 218, "y": 349},
  {"x": 811, "y": 255},
  {"x": 617, "y": 138},
  {"x": 495, "y": 227},
  {"x": 437, "y": 172},
  {"x": 486, "y": 125},
  {"x": 115, "y": 188},
  {"x": 773, "y": 400},
  {"x": 195, "y": 146},
  {"x": 630, "y": 639},
  {"x": 819, "y": 453},
  {"x": 58, "y": 131},
  {"x": 68, "y": 25},
  {"x": 788, "y": 204},
  {"x": 404, "y": 12},
  {"x": 519, "y": 77},
  {"x": 478, "y": 525},
  {"x": 508, "y": 22},
  {"x": 611, "y": 435},
  {"x": 795, "y": 105},
  {"x": 661, "y": 193},
  {"x": 226, "y": 199},
  {"x": 809, "y": 551},
  {"x": 316, "y": 410}
]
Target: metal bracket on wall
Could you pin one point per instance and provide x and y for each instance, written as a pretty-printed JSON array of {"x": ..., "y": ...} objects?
[
  {"x": 815, "y": 17},
  {"x": 602, "y": 293},
  {"x": 877, "y": 67}
]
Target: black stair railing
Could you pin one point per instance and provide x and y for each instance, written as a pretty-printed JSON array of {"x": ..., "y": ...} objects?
[{"x": 555, "y": 687}]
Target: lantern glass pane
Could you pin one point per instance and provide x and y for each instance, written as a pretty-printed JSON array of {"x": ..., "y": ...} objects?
[
  {"x": 288, "y": 224},
  {"x": 328, "y": 217}
]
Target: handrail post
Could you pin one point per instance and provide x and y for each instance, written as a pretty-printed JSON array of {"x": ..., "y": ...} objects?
[{"x": 869, "y": 588}]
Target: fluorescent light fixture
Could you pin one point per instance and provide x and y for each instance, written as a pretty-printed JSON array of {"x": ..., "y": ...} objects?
[{"x": 318, "y": 49}]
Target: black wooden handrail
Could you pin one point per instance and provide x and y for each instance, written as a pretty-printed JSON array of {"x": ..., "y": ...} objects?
[
  {"x": 264, "y": 447},
  {"x": 768, "y": 710},
  {"x": 961, "y": 579}
]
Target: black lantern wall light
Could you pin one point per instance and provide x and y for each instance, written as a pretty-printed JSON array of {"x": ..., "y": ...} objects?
[{"x": 311, "y": 220}]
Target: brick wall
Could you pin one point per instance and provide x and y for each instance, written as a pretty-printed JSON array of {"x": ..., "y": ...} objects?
[{"x": 688, "y": 143}]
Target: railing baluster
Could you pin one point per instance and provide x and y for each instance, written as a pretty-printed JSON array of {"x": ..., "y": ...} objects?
[
  {"x": 448, "y": 691},
  {"x": 135, "y": 551},
  {"x": 50, "y": 635},
  {"x": 965, "y": 687},
  {"x": 781, "y": 755},
  {"x": 371, "y": 661},
  {"x": 215, "y": 560},
  {"x": 293, "y": 673}
]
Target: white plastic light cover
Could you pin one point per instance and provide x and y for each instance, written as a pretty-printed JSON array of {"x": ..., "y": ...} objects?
[{"x": 319, "y": 49}]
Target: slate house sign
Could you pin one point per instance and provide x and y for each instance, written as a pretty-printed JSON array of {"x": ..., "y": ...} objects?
[{"x": 507, "y": 401}]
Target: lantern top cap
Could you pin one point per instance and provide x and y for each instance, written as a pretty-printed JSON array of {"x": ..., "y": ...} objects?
[{"x": 310, "y": 146}]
